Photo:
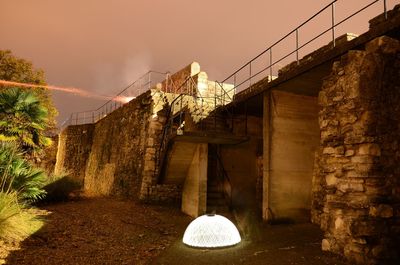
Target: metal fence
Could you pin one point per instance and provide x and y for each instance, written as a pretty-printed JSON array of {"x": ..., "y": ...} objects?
[
  {"x": 267, "y": 63},
  {"x": 139, "y": 86}
]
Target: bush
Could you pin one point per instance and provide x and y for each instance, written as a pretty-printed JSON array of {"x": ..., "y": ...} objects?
[
  {"x": 15, "y": 222},
  {"x": 60, "y": 187},
  {"x": 18, "y": 175}
]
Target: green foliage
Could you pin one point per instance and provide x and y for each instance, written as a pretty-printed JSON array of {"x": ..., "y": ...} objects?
[
  {"x": 20, "y": 70},
  {"x": 23, "y": 118},
  {"x": 17, "y": 175},
  {"x": 15, "y": 222},
  {"x": 59, "y": 187}
]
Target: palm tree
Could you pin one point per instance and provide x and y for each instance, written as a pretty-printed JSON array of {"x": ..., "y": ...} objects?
[
  {"x": 18, "y": 175},
  {"x": 23, "y": 119}
]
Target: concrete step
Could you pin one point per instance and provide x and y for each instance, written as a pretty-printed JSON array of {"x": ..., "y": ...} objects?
[
  {"x": 213, "y": 189},
  {"x": 216, "y": 202},
  {"x": 222, "y": 210},
  {"x": 215, "y": 195}
]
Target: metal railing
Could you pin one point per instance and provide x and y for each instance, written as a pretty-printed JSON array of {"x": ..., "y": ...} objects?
[
  {"x": 201, "y": 108},
  {"x": 138, "y": 87},
  {"x": 264, "y": 62},
  {"x": 224, "y": 180}
]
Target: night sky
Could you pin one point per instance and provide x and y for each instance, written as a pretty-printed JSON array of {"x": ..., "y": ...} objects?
[{"x": 103, "y": 45}]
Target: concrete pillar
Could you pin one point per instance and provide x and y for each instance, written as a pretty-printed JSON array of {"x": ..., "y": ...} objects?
[
  {"x": 266, "y": 155},
  {"x": 291, "y": 136},
  {"x": 194, "y": 194}
]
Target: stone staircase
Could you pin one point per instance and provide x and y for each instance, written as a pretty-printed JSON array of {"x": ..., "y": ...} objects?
[
  {"x": 178, "y": 162},
  {"x": 216, "y": 201}
]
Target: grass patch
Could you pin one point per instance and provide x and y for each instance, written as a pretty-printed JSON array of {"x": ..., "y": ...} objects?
[{"x": 16, "y": 223}]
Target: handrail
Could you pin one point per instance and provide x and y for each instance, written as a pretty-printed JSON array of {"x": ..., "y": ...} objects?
[
  {"x": 228, "y": 196},
  {"x": 168, "y": 127},
  {"x": 140, "y": 85},
  {"x": 281, "y": 39},
  {"x": 248, "y": 65}
]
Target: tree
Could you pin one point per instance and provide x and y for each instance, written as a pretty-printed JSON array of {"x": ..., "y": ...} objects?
[
  {"x": 23, "y": 119},
  {"x": 20, "y": 70}
]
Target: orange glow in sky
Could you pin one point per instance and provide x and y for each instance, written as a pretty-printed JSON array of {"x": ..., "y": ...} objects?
[{"x": 73, "y": 90}]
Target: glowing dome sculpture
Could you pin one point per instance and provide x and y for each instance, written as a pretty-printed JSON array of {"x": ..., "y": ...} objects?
[{"x": 211, "y": 231}]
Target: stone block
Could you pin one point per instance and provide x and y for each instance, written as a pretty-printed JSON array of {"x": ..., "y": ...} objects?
[
  {"x": 369, "y": 149},
  {"x": 382, "y": 210},
  {"x": 151, "y": 150},
  {"x": 347, "y": 119},
  {"x": 362, "y": 159},
  {"x": 331, "y": 180},
  {"x": 339, "y": 223},
  {"x": 350, "y": 186},
  {"x": 149, "y": 165},
  {"x": 323, "y": 123},
  {"x": 328, "y": 150},
  {"x": 326, "y": 246},
  {"x": 337, "y": 160}
]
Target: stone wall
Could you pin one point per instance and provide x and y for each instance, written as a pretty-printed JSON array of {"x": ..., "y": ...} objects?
[
  {"x": 116, "y": 156},
  {"x": 74, "y": 146},
  {"x": 49, "y": 157},
  {"x": 116, "y": 161},
  {"x": 356, "y": 186}
]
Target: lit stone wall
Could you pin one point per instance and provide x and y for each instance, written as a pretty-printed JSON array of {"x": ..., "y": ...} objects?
[
  {"x": 117, "y": 155},
  {"x": 74, "y": 145},
  {"x": 356, "y": 186}
]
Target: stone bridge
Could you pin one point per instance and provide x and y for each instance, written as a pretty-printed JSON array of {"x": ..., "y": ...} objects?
[{"x": 319, "y": 142}]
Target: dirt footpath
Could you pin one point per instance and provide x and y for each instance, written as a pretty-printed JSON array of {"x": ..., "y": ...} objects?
[
  {"x": 101, "y": 231},
  {"x": 109, "y": 231}
]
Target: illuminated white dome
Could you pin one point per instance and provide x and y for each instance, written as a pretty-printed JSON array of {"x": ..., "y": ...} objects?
[{"x": 211, "y": 231}]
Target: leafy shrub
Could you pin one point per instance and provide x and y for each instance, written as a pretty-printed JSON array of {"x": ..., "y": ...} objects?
[
  {"x": 15, "y": 222},
  {"x": 18, "y": 175}
]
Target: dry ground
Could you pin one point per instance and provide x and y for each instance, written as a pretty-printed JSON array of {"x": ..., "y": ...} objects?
[{"x": 109, "y": 231}]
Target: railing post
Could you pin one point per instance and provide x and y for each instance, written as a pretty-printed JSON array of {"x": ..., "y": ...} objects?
[
  {"x": 76, "y": 119},
  {"x": 149, "y": 80},
  {"x": 385, "y": 9},
  {"x": 180, "y": 112},
  {"x": 250, "y": 73},
  {"x": 270, "y": 62},
  {"x": 92, "y": 116},
  {"x": 215, "y": 106},
  {"x": 333, "y": 24},
  {"x": 297, "y": 46}
]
